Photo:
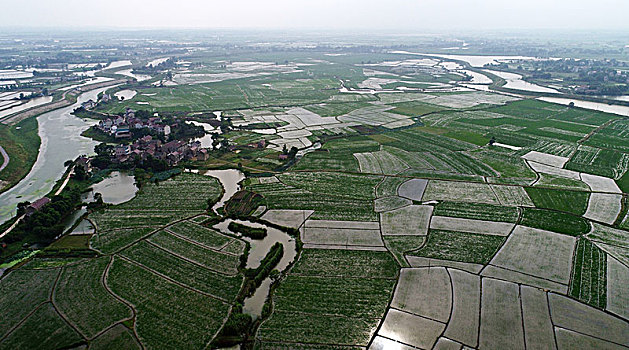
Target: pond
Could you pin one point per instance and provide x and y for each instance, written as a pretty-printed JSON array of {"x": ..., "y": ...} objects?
[
  {"x": 125, "y": 94},
  {"x": 117, "y": 188}
]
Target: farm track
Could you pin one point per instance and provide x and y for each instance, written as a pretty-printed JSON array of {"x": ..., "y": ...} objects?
[
  {"x": 58, "y": 311},
  {"x": 125, "y": 302}
]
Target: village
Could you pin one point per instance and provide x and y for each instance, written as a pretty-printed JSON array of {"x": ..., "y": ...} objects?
[{"x": 157, "y": 141}]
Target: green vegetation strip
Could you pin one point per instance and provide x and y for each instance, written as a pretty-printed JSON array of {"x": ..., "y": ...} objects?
[
  {"x": 589, "y": 274},
  {"x": 247, "y": 231}
]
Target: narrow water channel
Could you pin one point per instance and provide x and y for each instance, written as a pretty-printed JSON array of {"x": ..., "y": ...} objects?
[{"x": 230, "y": 180}]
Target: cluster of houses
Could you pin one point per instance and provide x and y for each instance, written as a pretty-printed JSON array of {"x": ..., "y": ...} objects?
[
  {"x": 172, "y": 152},
  {"x": 121, "y": 126}
]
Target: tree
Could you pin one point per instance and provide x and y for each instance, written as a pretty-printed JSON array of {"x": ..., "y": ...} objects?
[
  {"x": 79, "y": 173},
  {"x": 284, "y": 149}
]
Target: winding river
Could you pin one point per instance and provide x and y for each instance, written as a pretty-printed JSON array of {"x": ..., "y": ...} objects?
[
  {"x": 230, "y": 179},
  {"x": 61, "y": 140}
]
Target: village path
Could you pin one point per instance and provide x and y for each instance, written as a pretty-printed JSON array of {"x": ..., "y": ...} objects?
[{"x": 6, "y": 158}]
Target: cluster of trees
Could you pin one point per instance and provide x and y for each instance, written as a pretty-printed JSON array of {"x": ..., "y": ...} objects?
[
  {"x": 292, "y": 153},
  {"x": 247, "y": 231},
  {"x": 47, "y": 223}
]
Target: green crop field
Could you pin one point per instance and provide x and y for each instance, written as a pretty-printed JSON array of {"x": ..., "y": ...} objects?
[
  {"x": 80, "y": 285},
  {"x": 574, "y": 202},
  {"x": 477, "y": 211},
  {"x": 331, "y": 297},
  {"x": 554, "y": 221},
  {"x": 370, "y": 167},
  {"x": 589, "y": 274},
  {"x": 460, "y": 246}
]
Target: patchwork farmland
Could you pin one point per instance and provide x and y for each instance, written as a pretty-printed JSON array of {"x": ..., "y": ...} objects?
[{"x": 395, "y": 223}]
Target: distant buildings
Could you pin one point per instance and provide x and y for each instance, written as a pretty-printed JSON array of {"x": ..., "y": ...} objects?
[
  {"x": 171, "y": 152},
  {"x": 122, "y": 126}
]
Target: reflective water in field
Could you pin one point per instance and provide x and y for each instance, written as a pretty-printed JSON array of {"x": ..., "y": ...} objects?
[
  {"x": 37, "y": 101},
  {"x": 125, "y": 94}
]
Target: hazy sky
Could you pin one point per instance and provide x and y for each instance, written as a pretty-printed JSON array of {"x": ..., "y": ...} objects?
[{"x": 340, "y": 14}]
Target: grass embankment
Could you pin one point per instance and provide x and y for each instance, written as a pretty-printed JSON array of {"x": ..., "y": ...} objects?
[{"x": 21, "y": 142}]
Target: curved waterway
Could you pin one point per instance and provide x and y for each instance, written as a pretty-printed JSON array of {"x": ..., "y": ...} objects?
[
  {"x": 230, "y": 179},
  {"x": 61, "y": 140}
]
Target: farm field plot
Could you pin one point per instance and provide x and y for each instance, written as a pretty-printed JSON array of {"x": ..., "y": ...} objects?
[
  {"x": 189, "y": 274},
  {"x": 343, "y": 233},
  {"x": 477, "y": 211},
  {"x": 589, "y": 275},
  {"x": 538, "y": 253},
  {"x": 114, "y": 240},
  {"x": 202, "y": 235},
  {"x": 43, "y": 328},
  {"x": 578, "y": 317},
  {"x": 617, "y": 294},
  {"x": 501, "y": 316},
  {"x": 460, "y": 192},
  {"x": 118, "y": 337},
  {"x": 326, "y": 206},
  {"x": 554, "y": 221},
  {"x": 167, "y": 314},
  {"x": 553, "y": 181},
  {"x": 609, "y": 235},
  {"x": 574, "y": 202},
  {"x": 389, "y": 186},
  {"x": 80, "y": 285},
  {"x": 123, "y": 224},
  {"x": 212, "y": 259},
  {"x": 604, "y": 207},
  {"x": 410, "y": 220},
  {"x": 419, "y": 291},
  {"x": 385, "y": 204},
  {"x": 325, "y": 316},
  {"x": 511, "y": 195},
  {"x": 602, "y": 162},
  {"x": 380, "y": 162},
  {"x": 554, "y": 171},
  {"x": 287, "y": 217},
  {"x": 460, "y": 246},
  {"x": 546, "y": 159},
  {"x": 600, "y": 183},
  {"x": 612, "y": 136},
  {"x": 471, "y": 226},
  {"x": 23, "y": 290},
  {"x": 413, "y": 189}
]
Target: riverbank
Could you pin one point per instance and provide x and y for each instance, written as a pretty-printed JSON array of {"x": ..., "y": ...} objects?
[
  {"x": 19, "y": 136},
  {"x": 21, "y": 143}
]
